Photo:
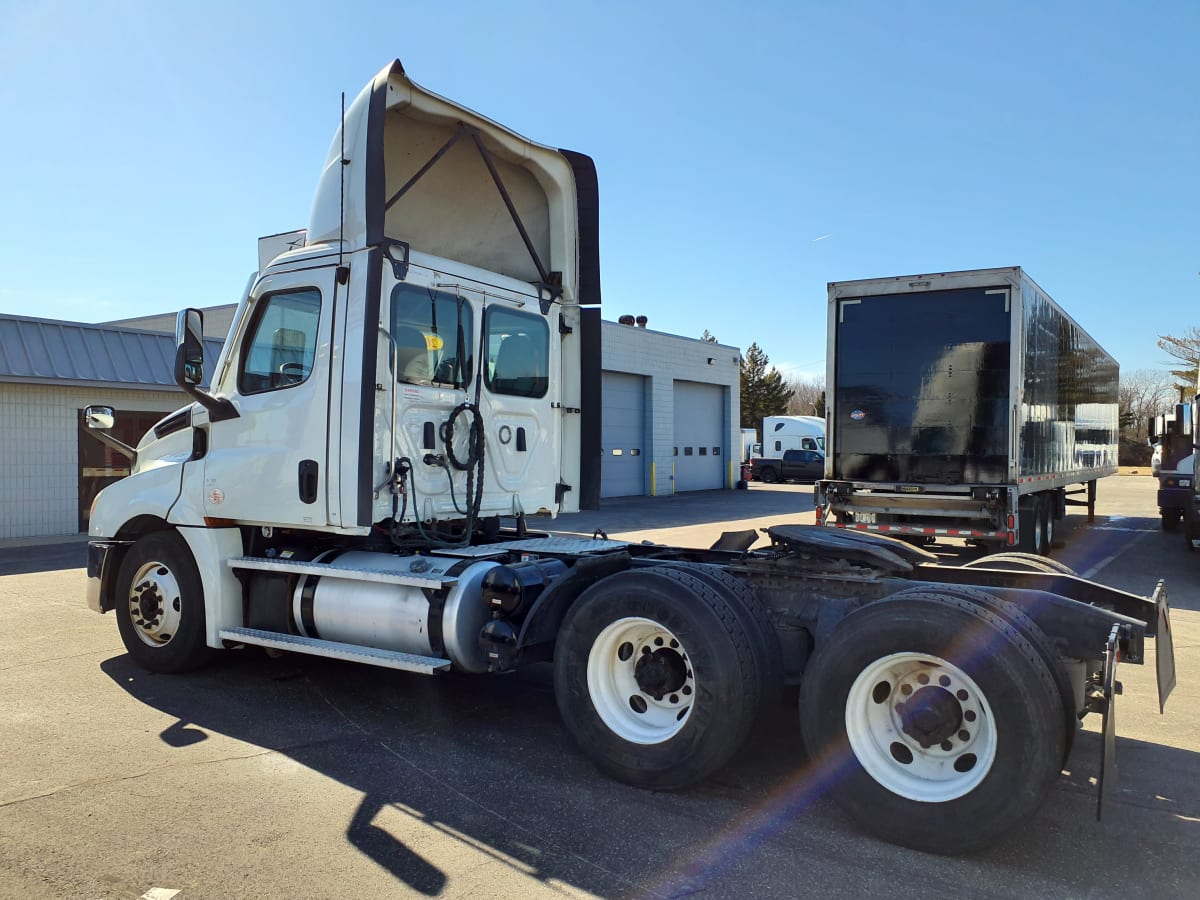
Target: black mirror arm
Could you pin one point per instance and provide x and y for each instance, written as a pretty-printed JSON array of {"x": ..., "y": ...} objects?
[
  {"x": 219, "y": 409},
  {"x": 120, "y": 446}
]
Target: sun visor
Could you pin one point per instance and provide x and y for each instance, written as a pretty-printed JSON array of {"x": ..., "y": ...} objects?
[{"x": 449, "y": 182}]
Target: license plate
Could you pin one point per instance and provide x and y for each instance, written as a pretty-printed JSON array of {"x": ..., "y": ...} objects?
[{"x": 863, "y": 518}]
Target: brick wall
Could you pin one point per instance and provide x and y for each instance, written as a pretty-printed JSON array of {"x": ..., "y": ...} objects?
[{"x": 39, "y": 451}]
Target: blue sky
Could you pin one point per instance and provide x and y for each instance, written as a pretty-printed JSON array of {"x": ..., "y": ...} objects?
[{"x": 748, "y": 153}]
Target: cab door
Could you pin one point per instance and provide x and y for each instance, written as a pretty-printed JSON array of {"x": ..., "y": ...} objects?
[
  {"x": 270, "y": 464},
  {"x": 521, "y": 406}
]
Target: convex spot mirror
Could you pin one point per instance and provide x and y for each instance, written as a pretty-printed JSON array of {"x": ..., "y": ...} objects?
[
  {"x": 189, "y": 348},
  {"x": 98, "y": 418}
]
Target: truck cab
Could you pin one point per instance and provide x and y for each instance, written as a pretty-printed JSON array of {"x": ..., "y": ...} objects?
[{"x": 1171, "y": 463}]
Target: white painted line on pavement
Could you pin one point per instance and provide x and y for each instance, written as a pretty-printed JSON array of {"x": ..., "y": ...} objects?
[{"x": 159, "y": 894}]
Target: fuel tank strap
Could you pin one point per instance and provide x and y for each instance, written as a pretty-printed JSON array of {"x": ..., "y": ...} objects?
[{"x": 326, "y": 570}]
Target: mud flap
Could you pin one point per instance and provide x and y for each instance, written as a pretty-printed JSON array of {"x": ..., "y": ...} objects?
[
  {"x": 1109, "y": 689},
  {"x": 1164, "y": 647}
]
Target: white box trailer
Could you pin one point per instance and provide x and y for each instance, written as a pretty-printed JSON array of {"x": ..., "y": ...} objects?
[{"x": 962, "y": 404}]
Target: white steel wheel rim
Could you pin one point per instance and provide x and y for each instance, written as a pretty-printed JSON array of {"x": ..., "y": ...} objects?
[
  {"x": 883, "y": 726},
  {"x": 154, "y": 604},
  {"x": 642, "y": 702}
]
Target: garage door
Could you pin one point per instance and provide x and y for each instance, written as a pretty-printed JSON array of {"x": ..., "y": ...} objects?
[
  {"x": 623, "y": 435},
  {"x": 700, "y": 451}
]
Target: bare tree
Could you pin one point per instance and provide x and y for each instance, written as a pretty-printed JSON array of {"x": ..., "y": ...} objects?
[
  {"x": 1185, "y": 349},
  {"x": 1141, "y": 394},
  {"x": 808, "y": 396}
]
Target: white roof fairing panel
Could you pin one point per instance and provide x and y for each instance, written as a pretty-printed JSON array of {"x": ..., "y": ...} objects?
[{"x": 454, "y": 209}]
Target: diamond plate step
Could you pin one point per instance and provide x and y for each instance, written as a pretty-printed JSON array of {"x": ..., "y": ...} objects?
[
  {"x": 325, "y": 570},
  {"x": 389, "y": 659}
]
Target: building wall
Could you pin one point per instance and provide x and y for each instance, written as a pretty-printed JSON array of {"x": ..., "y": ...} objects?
[
  {"x": 39, "y": 451},
  {"x": 663, "y": 359}
]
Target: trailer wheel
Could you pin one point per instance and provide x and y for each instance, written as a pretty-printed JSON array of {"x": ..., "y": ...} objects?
[
  {"x": 1012, "y": 561},
  {"x": 160, "y": 605},
  {"x": 939, "y": 721},
  {"x": 656, "y": 677},
  {"x": 767, "y": 475},
  {"x": 1170, "y": 519},
  {"x": 1032, "y": 524},
  {"x": 1047, "y": 526}
]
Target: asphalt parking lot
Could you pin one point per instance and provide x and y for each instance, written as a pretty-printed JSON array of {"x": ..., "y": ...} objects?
[{"x": 305, "y": 777}]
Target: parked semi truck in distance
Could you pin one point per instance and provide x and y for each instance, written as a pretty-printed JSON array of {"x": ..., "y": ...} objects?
[
  {"x": 963, "y": 404},
  {"x": 782, "y": 433},
  {"x": 1171, "y": 437},
  {"x": 397, "y": 398}
]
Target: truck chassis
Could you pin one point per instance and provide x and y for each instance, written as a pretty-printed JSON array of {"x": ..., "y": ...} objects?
[{"x": 946, "y": 699}]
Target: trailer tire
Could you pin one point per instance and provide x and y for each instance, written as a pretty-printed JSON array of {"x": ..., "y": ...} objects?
[
  {"x": 986, "y": 693},
  {"x": 1047, "y": 525},
  {"x": 160, "y": 605},
  {"x": 668, "y": 723},
  {"x": 1032, "y": 524},
  {"x": 1170, "y": 519}
]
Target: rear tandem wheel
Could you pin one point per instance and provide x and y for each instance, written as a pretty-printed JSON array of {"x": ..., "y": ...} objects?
[
  {"x": 657, "y": 676},
  {"x": 941, "y": 724}
]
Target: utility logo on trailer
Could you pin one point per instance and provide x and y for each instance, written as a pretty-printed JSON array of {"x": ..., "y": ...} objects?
[{"x": 858, "y": 415}]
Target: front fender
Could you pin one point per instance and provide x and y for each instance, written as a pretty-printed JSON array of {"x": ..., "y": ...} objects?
[{"x": 149, "y": 492}]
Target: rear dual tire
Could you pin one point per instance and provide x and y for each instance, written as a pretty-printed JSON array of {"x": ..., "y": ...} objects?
[
  {"x": 939, "y": 724},
  {"x": 658, "y": 676}
]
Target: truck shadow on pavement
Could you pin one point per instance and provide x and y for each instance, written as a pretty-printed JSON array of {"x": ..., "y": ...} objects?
[
  {"x": 485, "y": 763},
  {"x": 27, "y": 560}
]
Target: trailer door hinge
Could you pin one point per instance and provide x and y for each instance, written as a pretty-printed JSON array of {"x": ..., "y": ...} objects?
[
  {"x": 567, "y": 409},
  {"x": 563, "y": 327},
  {"x": 560, "y": 491}
]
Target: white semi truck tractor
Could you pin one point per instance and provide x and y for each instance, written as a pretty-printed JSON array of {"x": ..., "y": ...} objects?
[{"x": 401, "y": 395}]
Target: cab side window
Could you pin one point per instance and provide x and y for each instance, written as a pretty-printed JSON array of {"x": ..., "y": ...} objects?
[
  {"x": 282, "y": 343},
  {"x": 433, "y": 334},
  {"x": 518, "y": 353}
]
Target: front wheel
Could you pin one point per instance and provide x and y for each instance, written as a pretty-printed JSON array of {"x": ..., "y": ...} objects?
[
  {"x": 160, "y": 605},
  {"x": 657, "y": 677},
  {"x": 941, "y": 724}
]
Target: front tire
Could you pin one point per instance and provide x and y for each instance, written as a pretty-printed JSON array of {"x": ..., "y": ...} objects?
[
  {"x": 656, "y": 677},
  {"x": 160, "y": 605},
  {"x": 940, "y": 721}
]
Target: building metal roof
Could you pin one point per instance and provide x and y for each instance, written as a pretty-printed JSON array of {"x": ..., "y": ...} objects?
[{"x": 48, "y": 351}]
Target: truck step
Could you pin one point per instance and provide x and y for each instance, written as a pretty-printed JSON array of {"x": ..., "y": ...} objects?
[
  {"x": 326, "y": 570},
  {"x": 389, "y": 659}
]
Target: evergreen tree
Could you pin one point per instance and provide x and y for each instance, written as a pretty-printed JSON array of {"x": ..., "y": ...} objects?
[{"x": 764, "y": 392}]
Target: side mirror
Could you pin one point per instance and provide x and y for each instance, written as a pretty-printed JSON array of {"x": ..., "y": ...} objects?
[
  {"x": 98, "y": 418},
  {"x": 189, "y": 348}
]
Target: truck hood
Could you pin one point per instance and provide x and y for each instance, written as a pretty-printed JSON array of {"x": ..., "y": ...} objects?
[{"x": 424, "y": 170}]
